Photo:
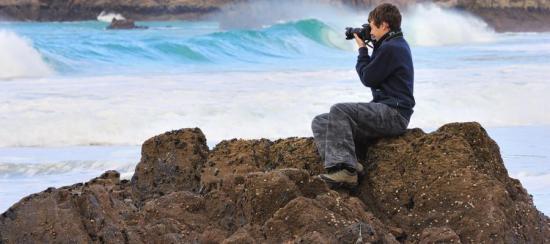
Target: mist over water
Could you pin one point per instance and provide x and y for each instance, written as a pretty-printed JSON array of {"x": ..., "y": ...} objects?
[
  {"x": 425, "y": 24},
  {"x": 264, "y": 13},
  {"x": 430, "y": 25}
]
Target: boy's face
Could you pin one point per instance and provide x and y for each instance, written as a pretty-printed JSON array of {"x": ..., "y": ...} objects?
[{"x": 377, "y": 32}]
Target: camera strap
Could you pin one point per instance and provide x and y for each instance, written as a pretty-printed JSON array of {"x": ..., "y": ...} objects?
[{"x": 388, "y": 36}]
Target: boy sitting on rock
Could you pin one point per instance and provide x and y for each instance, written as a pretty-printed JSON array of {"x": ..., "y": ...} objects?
[{"x": 389, "y": 74}]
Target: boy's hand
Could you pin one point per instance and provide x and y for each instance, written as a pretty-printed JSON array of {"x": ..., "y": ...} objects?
[{"x": 359, "y": 41}]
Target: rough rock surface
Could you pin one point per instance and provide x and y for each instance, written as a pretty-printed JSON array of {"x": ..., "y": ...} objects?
[
  {"x": 506, "y": 15},
  {"x": 170, "y": 162},
  {"x": 453, "y": 177},
  {"x": 449, "y": 186},
  {"x": 62, "y": 10}
]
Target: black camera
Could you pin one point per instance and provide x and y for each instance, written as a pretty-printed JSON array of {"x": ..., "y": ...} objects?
[{"x": 363, "y": 33}]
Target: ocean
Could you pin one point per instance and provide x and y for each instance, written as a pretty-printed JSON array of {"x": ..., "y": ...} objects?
[{"x": 77, "y": 99}]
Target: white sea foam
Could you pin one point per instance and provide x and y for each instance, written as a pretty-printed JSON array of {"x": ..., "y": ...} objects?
[
  {"x": 118, "y": 110},
  {"x": 19, "y": 58},
  {"x": 39, "y": 161},
  {"x": 105, "y": 16},
  {"x": 33, "y": 169},
  {"x": 431, "y": 25}
]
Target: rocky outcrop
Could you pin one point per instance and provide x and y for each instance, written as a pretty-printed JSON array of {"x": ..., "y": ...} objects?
[
  {"x": 452, "y": 178},
  {"x": 62, "y": 10},
  {"x": 502, "y": 15},
  {"x": 502, "y": 4},
  {"x": 515, "y": 19},
  {"x": 446, "y": 186},
  {"x": 124, "y": 24},
  {"x": 170, "y": 162},
  {"x": 506, "y": 15}
]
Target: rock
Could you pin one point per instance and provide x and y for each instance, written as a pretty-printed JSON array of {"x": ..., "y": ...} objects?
[
  {"x": 438, "y": 235},
  {"x": 525, "y": 4},
  {"x": 232, "y": 158},
  {"x": 502, "y": 15},
  {"x": 453, "y": 177},
  {"x": 328, "y": 218},
  {"x": 507, "y": 16},
  {"x": 124, "y": 24},
  {"x": 444, "y": 187},
  {"x": 61, "y": 10},
  {"x": 515, "y": 19},
  {"x": 82, "y": 213},
  {"x": 170, "y": 162}
]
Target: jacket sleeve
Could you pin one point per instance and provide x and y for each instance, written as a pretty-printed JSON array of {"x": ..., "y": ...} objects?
[{"x": 373, "y": 71}]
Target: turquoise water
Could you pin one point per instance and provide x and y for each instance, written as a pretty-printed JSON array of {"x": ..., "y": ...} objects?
[
  {"x": 78, "y": 99},
  {"x": 88, "y": 48}
]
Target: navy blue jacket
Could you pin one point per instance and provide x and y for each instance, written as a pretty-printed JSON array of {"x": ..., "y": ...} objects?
[{"x": 389, "y": 73}]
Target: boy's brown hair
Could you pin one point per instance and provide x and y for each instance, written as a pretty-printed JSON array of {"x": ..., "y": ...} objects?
[{"x": 386, "y": 12}]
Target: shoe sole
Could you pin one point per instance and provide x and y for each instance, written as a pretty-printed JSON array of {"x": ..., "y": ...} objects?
[{"x": 335, "y": 184}]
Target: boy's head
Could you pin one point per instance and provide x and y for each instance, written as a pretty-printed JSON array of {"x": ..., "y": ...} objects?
[{"x": 384, "y": 18}]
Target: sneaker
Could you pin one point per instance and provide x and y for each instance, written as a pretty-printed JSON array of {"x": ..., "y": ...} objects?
[{"x": 340, "y": 178}]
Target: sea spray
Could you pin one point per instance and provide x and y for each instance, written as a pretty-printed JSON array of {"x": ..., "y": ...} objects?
[
  {"x": 19, "y": 58},
  {"x": 105, "y": 16},
  {"x": 431, "y": 25}
]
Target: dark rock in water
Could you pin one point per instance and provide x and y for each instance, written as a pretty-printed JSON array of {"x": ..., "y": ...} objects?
[
  {"x": 442, "y": 187},
  {"x": 124, "y": 24}
]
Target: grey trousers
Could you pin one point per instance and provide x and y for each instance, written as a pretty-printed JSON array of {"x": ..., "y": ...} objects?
[{"x": 337, "y": 132}]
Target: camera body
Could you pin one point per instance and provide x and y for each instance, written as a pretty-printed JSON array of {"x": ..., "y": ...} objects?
[{"x": 363, "y": 33}]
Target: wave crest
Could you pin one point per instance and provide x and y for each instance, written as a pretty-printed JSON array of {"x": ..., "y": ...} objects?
[
  {"x": 19, "y": 58},
  {"x": 432, "y": 25},
  {"x": 109, "y": 16}
]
